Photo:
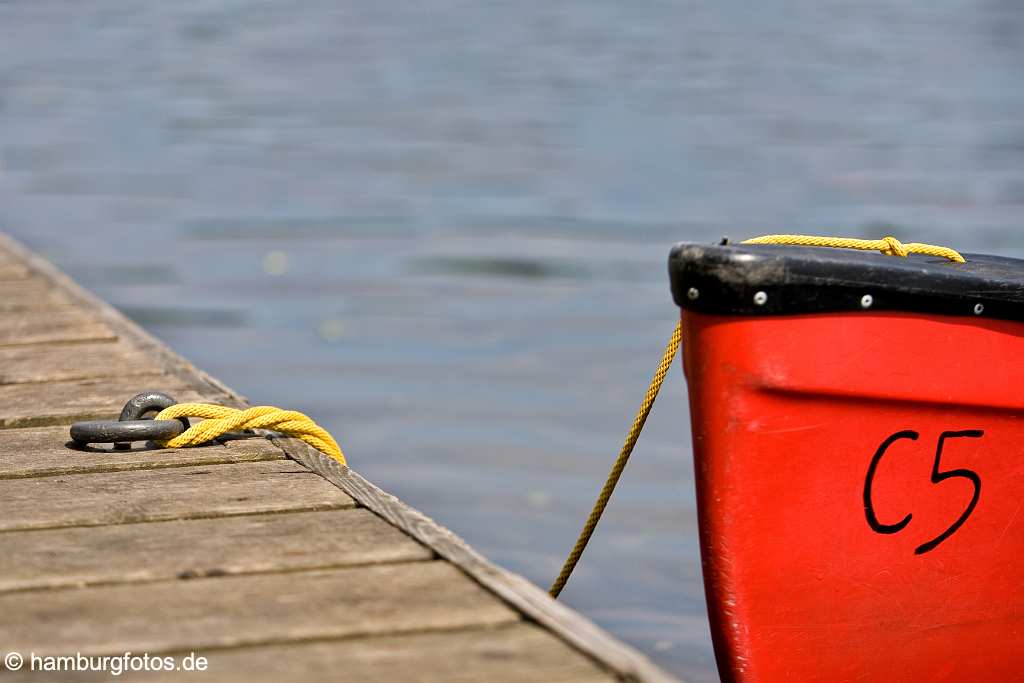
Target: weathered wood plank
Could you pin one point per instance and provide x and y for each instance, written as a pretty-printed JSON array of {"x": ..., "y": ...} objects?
[
  {"x": 163, "y": 358},
  {"x": 13, "y": 270},
  {"x": 513, "y": 653},
  {"x": 514, "y": 589},
  {"x": 43, "y": 452},
  {"x": 247, "y": 544},
  {"x": 12, "y": 266},
  {"x": 32, "y": 327},
  {"x": 31, "y": 295},
  {"x": 53, "y": 363},
  {"x": 29, "y": 405},
  {"x": 247, "y": 610},
  {"x": 164, "y": 494},
  {"x": 6, "y": 251}
]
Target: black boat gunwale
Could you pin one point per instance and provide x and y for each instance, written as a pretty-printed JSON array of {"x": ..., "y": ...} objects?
[{"x": 768, "y": 279}]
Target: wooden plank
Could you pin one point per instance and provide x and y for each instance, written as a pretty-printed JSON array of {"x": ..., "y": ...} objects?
[
  {"x": 516, "y": 653},
  {"x": 51, "y": 363},
  {"x": 31, "y": 295},
  {"x": 172, "y": 493},
  {"x": 11, "y": 269},
  {"x": 44, "y": 452},
  {"x": 184, "y": 549},
  {"x": 111, "y": 619},
  {"x": 163, "y": 358},
  {"x": 533, "y": 602},
  {"x": 33, "y": 327},
  {"x": 29, "y": 405},
  {"x": 247, "y": 610},
  {"x": 7, "y": 254},
  {"x": 512, "y": 653}
]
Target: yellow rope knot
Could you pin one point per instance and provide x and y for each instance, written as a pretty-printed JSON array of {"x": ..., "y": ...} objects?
[
  {"x": 219, "y": 420},
  {"x": 893, "y": 247},
  {"x": 888, "y": 245}
]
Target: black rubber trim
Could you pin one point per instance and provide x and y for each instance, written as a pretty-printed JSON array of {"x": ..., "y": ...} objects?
[{"x": 726, "y": 279}]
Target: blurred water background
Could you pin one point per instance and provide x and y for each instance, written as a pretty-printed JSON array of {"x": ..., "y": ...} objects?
[{"x": 441, "y": 227}]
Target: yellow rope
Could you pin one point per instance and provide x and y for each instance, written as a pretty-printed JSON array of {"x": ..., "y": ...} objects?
[
  {"x": 887, "y": 245},
  {"x": 620, "y": 463},
  {"x": 218, "y": 420}
]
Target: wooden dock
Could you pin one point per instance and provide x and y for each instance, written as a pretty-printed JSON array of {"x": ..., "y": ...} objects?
[{"x": 268, "y": 559}]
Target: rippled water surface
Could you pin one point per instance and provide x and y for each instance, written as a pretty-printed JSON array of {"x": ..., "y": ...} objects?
[{"x": 441, "y": 227}]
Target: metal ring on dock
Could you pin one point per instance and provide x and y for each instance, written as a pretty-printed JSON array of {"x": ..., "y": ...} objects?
[
  {"x": 131, "y": 425},
  {"x": 125, "y": 431}
]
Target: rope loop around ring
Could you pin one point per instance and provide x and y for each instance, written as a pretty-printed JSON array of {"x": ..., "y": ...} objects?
[{"x": 219, "y": 420}]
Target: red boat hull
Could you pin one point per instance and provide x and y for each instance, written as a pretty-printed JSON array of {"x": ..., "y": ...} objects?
[{"x": 860, "y": 481}]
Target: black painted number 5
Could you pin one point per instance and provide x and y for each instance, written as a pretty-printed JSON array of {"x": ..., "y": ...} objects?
[{"x": 937, "y": 477}]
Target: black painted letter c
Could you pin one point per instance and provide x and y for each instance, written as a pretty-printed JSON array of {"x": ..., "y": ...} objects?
[{"x": 869, "y": 508}]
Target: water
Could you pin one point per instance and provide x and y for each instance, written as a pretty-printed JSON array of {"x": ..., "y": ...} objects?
[{"x": 441, "y": 227}]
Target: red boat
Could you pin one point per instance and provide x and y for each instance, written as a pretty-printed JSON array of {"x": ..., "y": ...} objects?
[{"x": 858, "y": 433}]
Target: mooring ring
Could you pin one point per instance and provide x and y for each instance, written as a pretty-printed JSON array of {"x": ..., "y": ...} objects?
[
  {"x": 125, "y": 431},
  {"x": 132, "y": 425}
]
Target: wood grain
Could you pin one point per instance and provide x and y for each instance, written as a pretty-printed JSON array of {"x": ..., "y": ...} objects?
[
  {"x": 44, "y": 452},
  {"x": 32, "y": 327},
  {"x": 254, "y": 529},
  {"x": 12, "y": 269},
  {"x": 31, "y": 295},
  {"x": 200, "y": 547},
  {"x": 164, "y": 360},
  {"x": 533, "y": 602},
  {"x": 163, "y": 494},
  {"x": 208, "y": 613},
  {"x": 29, "y": 405},
  {"x": 90, "y": 360},
  {"x": 512, "y": 653}
]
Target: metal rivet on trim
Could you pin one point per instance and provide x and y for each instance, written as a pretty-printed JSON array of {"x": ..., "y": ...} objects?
[
  {"x": 692, "y": 293},
  {"x": 760, "y": 298},
  {"x": 979, "y": 309},
  {"x": 866, "y": 301}
]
